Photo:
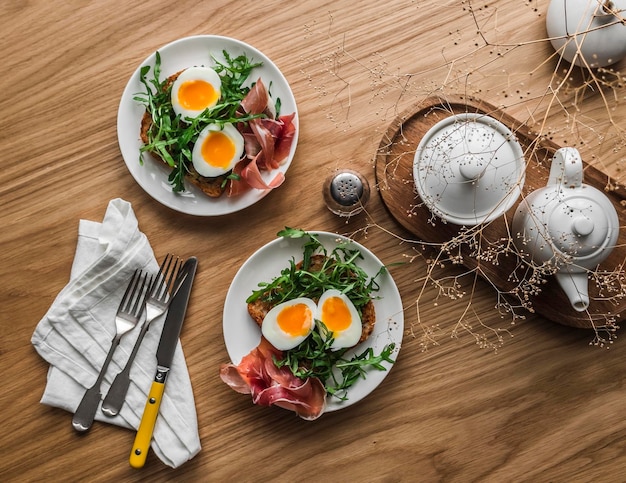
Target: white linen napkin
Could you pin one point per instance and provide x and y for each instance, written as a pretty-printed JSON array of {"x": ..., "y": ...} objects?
[{"x": 76, "y": 333}]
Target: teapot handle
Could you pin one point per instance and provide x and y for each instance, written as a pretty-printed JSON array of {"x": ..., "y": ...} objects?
[{"x": 567, "y": 168}]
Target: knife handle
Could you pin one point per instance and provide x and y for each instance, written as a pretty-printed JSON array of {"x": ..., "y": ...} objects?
[{"x": 146, "y": 426}]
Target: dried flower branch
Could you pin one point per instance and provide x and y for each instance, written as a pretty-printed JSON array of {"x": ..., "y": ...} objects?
[{"x": 564, "y": 111}]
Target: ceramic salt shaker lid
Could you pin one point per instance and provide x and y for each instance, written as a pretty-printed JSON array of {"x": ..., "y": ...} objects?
[{"x": 469, "y": 169}]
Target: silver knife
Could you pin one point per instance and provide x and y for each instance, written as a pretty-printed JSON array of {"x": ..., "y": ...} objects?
[{"x": 165, "y": 354}]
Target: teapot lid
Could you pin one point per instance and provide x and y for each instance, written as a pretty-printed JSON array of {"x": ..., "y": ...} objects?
[
  {"x": 581, "y": 224},
  {"x": 469, "y": 169}
]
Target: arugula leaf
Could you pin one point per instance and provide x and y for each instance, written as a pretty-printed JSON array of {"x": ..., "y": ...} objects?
[
  {"x": 230, "y": 176},
  {"x": 314, "y": 358},
  {"x": 339, "y": 271}
]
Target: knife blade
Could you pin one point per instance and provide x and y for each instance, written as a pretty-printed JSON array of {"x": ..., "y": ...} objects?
[{"x": 165, "y": 354}]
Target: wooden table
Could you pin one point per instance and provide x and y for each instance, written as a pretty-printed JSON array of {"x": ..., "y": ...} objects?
[{"x": 544, "y": 406}]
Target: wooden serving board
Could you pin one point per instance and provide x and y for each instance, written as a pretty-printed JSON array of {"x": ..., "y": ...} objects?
[{"x": 394, "y": 176}]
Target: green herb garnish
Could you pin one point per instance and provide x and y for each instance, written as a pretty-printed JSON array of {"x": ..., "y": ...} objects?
[
  {"x": 314, "y": 357},
  {"x": 339, "y": 272},
  {"x": 230, "y": 176},
  {"x": 171, "y": 137}
]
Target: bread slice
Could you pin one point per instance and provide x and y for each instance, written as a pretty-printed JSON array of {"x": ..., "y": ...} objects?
[{"x": 259, "y": 308}]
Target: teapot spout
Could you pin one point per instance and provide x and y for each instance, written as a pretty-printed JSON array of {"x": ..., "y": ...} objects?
[{"x": 575, "y": 286}]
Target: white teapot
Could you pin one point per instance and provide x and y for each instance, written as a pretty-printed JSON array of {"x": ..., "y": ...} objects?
[
  {"x": 588, "y": 32},
  {"x": 568, "y": 224}
]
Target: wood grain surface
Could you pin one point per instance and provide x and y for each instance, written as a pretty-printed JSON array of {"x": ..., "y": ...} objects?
[{"x": 545, "y": 406}]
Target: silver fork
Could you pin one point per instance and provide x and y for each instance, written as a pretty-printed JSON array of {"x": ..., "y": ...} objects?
[
  {"x": 160, "y": 295},
  {"x": 128, "y": 314}
]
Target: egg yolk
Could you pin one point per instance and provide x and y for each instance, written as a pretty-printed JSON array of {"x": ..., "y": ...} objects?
[
  {"x": 335, "y": 314},
  {"x": 218, "y": 149},
  {"x": 197, "y": 95},
  {"x": 295, "y": 319}
]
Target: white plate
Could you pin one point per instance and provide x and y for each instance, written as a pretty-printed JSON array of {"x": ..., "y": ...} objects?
[
  {"x": 241, "y": 334},
  {"x": 152, "y": 175}
]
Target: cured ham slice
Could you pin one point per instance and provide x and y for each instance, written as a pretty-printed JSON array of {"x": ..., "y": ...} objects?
[
  {"x": 284, "y": 142},
  {"x": 258, "y": 101},
  {"x": 251, "y": 177},
  {"x": 257, "y": 375},
  {"x": 275, "y": 137},
  {"x": 267, "y": 141}
]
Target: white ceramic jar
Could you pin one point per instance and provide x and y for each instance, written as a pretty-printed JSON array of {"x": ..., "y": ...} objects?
[{"x": 469, "y": 169}]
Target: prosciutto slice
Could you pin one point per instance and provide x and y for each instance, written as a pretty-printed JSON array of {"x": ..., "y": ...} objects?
[
  {"x": 285, "y": 140},
  {"x": 268, "y": 142},
  {"x": 257, "y": 375},
  {"x": 258, "y": 101}
]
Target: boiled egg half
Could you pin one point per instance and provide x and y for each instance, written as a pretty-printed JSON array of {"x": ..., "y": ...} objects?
[
  {"x": 288, "y": 324},
  {"x": 337, "y": 312},
  {"x": 195, "y": 89},
  {"x": 217, "y": 150}
]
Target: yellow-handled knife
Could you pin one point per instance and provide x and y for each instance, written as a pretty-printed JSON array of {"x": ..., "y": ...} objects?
[{"x": 164, "y": 355}]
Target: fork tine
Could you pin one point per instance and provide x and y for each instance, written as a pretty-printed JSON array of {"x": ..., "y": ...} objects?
[
  {"x": 134, "y": 295},
  {"x": 173, "y": 275},
  {"x": 180, "y": 278},
  {"x": 130, "y": 291},
  {"x": 165, "y": 278},
  {"x": 141, "y": 295},
  {"x": 159, "y": 281}
]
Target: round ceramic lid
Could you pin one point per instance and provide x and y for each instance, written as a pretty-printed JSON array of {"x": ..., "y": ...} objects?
[
  {"x": 469, "y": 169},
  {"x": 580, "y": 226}
]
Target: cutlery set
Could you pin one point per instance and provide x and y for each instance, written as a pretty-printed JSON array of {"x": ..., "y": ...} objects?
[{"x": 152, "y": 295}]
